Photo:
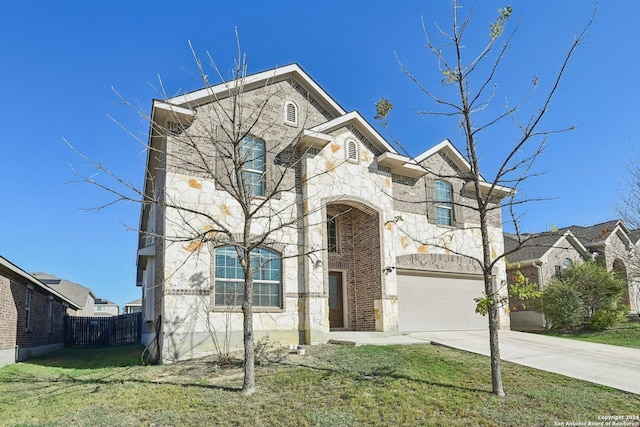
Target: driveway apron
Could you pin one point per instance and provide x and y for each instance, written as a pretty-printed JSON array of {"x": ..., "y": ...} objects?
[{"x": 613, "y": 366}]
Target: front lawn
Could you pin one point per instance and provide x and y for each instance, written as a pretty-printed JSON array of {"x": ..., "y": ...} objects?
[
  {"x": 330, "y": 386},
  {"x": 625, "y": 335}
]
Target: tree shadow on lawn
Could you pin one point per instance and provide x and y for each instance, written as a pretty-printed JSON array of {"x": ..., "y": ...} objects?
[
  {"x": 65, "y": 382},
  {"x": 384, "y": 372},
  {"x": 91, "y": 357}
]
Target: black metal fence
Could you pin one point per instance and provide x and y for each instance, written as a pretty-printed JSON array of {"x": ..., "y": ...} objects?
[{"x": 102, "y": 331}]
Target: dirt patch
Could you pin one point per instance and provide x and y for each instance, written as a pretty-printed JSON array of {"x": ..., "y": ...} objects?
[{"x": 208, "y": 369}]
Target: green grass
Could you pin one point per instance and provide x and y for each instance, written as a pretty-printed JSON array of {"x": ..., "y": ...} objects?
[
  {"x": 330, "y": 386},
  {"x": 625, "y": 335}
]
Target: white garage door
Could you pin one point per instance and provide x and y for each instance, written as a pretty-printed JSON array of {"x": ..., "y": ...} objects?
[{"x": 438, "y": 304}]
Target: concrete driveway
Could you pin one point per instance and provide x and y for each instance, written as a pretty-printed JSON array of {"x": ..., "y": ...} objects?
[{"x": 613, "y": 366}]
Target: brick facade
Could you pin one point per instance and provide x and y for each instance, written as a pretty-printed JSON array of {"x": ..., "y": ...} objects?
[
  {"x": 358, "y": 256},
  {"x": 515, "y": 303},
  {"x": 45, "y": 329}
]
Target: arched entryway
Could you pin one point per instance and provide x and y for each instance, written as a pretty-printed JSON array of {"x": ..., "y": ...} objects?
[{"x": 354, "y": 275}]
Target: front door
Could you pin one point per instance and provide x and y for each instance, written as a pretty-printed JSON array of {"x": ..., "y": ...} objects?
[{"x": 336, "y": 311}]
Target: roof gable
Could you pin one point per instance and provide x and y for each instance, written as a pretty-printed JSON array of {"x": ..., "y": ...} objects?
[
  {"x": 264, "y": 78},
  {"x": 537, "y": 246},
  {"x": 356, "y": 120}
]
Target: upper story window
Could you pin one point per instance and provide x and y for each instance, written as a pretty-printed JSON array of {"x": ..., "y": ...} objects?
[
  {"x": 443, "y": 203},
  {"x": 566, "y": 263},
  {"x": 352, "y": 151},
  {"x": 252, "y": 165},
  {"x": 332, "y": 234},
  {"x": 229, "y": 278},
  {"x": 290, "y": 113}
]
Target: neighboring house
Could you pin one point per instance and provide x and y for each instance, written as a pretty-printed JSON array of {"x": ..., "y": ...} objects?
[
  {"x": 81, "y": 295},
  {"x": 540, "y": 258},
  {"x": 31, "y": 315},
  {"x": 104, "y": 308},
  {"x": 612, "y": 244},
  {"x": 133, "y": 306},
  {"x": 371, "y": 214},
  {"x": 547, "y": 254}
]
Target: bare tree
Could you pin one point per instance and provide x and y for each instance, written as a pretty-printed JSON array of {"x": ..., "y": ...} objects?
[
  {"x": 234, "y": 139},
  {"x": 472, "y": 83}
]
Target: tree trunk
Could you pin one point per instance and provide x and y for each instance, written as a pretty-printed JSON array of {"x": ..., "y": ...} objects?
[
  {"x": 491, "y": 292},
  {"x": 494, "y": 345},
  {"x": 249, "y": 384}
]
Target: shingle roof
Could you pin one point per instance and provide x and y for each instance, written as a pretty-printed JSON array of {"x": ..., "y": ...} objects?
[
  {"x": 73, "y": 291},
  {"x": 5, "y": 263},
  {"x": 593, "y": 233},
  {"x": 534, "y": 246}
]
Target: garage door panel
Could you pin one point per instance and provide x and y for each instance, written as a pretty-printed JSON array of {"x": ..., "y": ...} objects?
[{"x": 438, "y": 304}]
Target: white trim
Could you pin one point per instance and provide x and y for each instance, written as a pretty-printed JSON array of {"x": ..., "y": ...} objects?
[
  {"x": 255, "y": 80},
  {"x": 313, "y": 139},
  {"x": 498, "y": 190}
]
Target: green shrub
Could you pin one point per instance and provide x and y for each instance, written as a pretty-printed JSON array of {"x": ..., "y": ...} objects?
[
  {"x": 562, "y": 305},
  {"x": 606, "y": 318},
  {"x": 598, "y": 288}
]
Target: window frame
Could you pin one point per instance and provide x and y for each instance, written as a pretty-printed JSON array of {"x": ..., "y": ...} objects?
[
  {"x": 235, "y": 279},
  {"x": 256, "y": 190},
  {"x": 27, "y": 309},
  {"x": 332, "y": 234},
  {"x": 50, "y": 315},
  {"x": 443, "y": 204}
]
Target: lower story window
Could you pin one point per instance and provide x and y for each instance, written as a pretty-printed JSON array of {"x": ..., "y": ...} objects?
[{"x": 229, "y": 278}]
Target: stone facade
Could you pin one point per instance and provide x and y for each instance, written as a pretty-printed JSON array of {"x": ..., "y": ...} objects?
[{"x": 328, "y": 164}]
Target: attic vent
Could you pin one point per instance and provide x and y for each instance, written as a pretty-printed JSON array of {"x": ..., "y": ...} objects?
[
  {"x": 174, "y": 128},
  {"x": 352, "y": 151},
  {"x": 314, "y": 102},
  {"x": 363, "y": 139},
  {"x": 290, "y": 113}
]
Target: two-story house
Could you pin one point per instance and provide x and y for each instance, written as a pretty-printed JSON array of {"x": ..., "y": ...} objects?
[
  {"x": 377, "y": 241},
  {"x": 545, "y": 255}
]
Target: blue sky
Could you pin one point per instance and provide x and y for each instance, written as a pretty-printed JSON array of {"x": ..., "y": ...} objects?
[{"x": 60, "y": 60}]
